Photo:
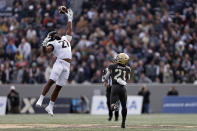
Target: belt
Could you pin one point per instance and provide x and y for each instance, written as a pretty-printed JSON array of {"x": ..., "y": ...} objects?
[{"x": 67, "y": 60}]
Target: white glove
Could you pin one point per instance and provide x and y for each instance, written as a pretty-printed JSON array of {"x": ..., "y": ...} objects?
[
  {"x": 70, "y": 15},
  {"x": 46, "y": 40},
  {"x": 121, "y": 82}
]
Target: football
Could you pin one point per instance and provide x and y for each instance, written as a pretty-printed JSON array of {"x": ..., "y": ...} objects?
[{"x": 62, "y": 9}]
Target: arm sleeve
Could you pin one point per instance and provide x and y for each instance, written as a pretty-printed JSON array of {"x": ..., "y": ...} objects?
[
  {"x": 68, "y": 37},
  {"x": 103, "y": 74},
  {"x": 132, "y": 74},
  {"x": 106, "y": 77},
  {"x": 108, "y": 72}
]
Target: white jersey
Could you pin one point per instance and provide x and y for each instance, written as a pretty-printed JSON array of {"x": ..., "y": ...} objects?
[
  {"x": 61, "y": 68},
  {"x": 62, "y": 48}
]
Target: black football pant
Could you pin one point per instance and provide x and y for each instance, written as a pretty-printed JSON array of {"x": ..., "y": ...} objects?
[
  {"x": 108, "y": 94},
  {"x": 119, "y": 92}
]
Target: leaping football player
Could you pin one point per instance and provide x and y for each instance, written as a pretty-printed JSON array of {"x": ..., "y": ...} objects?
[{"x": 60, "y": 46}]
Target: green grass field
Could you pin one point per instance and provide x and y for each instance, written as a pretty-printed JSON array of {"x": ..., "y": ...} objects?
[{"x": 70, "y": 122}]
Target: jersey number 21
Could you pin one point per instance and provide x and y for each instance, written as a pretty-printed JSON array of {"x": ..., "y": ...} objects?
[{"x": 64, "y": 43}]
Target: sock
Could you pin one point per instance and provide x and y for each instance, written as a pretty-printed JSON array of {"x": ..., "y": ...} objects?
[
  {"x": 116, "y": 114},
  {"x": 51, "y": 104},
  {"x": 124, "y": 114},
  {"x": 41, "y": 97}
]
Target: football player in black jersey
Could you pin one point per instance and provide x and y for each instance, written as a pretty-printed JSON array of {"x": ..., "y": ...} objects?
[
  {"x": 108, "y": 85},
  {"x": 120, "y": 74}
]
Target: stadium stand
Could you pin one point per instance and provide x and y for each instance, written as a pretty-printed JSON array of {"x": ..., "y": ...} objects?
[{"x": 159, "y": 36}]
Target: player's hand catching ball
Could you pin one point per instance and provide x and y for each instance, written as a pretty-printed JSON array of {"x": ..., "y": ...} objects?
[
  {"x": 62, "y": 10},
  {"x": 69, "y": 14}
]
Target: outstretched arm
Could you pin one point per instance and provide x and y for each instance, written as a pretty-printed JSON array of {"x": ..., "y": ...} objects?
[
  {"x": 70, "y": 18},
  {"x": 69, "y": 28},
  {"x": 69, "y": 13}
]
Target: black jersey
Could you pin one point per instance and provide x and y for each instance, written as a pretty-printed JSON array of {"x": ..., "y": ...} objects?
[{"x": 119, "y": 71}]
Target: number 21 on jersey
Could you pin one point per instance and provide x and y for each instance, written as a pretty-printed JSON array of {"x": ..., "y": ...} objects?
[
  {"x": 64, "y": 43},
  {"x": 119, "y": 74}
]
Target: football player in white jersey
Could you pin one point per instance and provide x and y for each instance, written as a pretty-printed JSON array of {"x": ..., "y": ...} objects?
[{"x": 61, "y": 48}]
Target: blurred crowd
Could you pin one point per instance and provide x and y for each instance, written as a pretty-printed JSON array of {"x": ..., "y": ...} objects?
[{"x": 160, "y": 36}]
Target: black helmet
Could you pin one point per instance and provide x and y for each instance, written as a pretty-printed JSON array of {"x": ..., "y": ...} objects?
[{"x": 54, "y": 35}]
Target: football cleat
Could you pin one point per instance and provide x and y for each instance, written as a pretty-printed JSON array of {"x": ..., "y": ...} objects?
[
  {"x": 123, "y": 125},
  {"x": 49, "y": 110},
  {"x": 109, "y": 119},
  {"x": 116, "y": 118},
  {"x": 39, "y": 102}
]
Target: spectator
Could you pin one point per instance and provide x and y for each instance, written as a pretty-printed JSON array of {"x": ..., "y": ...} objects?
[
  {"x": 168, "y": 74},
  {"x": 9, "y": 71},
  {"x": 151, "y": 71},
  {"x": 10, "y": 48},
  {"x": 80, "y": 76},
  {"x": 146, "y": 100},
  {"x": 186, "y": 64},
  {"x": 97, "y": 77},
  {"x": 18, "y": 56},
  {"x": 40, "y": 76},
  {"x": 2, "y": 74},
  {"x": 34, "y": 44},
  {"x": 34, "y": 71},
  {"x": 20, "y": 72},
  {"x": 83, "y": 43},
  {"x": 81, "y": 24},
  {"x": 49, "y": 22},
  {"x": 180, "y": 47},
  {"x": 25, "y": 49},
  {"x": 10, "y": 55},
  {"x": 26, "y": 75},
  {"x": 173, "y": 92},
  {"x": 144, "y": 79},
  {"x": 84, "y": 104},
  {"x": 31, "y": 33},
  {"x": 13, "y": 105}
]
